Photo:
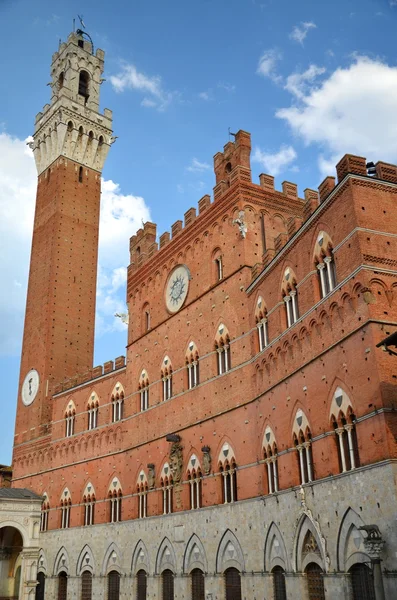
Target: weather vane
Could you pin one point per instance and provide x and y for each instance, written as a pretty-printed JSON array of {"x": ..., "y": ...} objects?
[
  {"x": 81, "y": 21},
  {"x": 231, "y": 133},
  {"x": 82, "y": 31}
]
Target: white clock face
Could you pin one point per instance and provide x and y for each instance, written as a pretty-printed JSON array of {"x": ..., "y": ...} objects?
[
  {"x": 177, "y": 288},
  {"x": 30, "y": 387}
]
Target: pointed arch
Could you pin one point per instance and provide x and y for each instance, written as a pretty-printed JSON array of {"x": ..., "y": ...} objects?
[
  {"x": 42, "y": 565},
  {"x": 308, "y": 547},
  {"x": 195, "y": 556},
  {"x": 112, "y": 560},
  {"x": 140, "y": 559},
  {"x": 165, "y": 558},
  {"x": 350, "y": 542},
  {"x": 61, "y": 562},
  {"x": 229, "y": 553},
  {"x": 275, "y": 553},
  {"x": 340, "y": 403},
  {"x": 85, "y": 561}
]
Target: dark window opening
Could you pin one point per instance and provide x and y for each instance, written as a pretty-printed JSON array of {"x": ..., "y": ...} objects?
[
  {"x": 62, "y": 586},
  {"x": 168, "y": 585},
  {"x": 233, "y": 584},
  {"x": 197, "y": 578},
  {"x": 86, "y": 585},
  {"x": 279, "y": 590},
  {"x": 228, "y": 167},
  {"x": 141, "y": 585},
  {"x": 113, "y": 585},
  {"x": 81, "y": 175},
  {"x": 61, "y": 79},
  {"x": 362, "y": 582},
  {"x": 84, "y": 79},
  {"x": 80, "y": 43},
  {"x": 40, "y": 586},
  {"x": 315, "y": 582}
]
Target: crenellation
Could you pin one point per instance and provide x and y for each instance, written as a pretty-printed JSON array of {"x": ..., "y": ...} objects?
[
  {"x": 108, "y": 367},
  {"x": 350, "y": 163},
  {"x": 280, "y": 241},
  {"x": 164, "y": 239},
  {"x": 290, "y": 189},
  {"x": 190, "y": 216},
  {"x": 386, "y": 171},
  {"x": 293, "y": 224},
  {"x": 176, "y": 228},
  {"x": 266, "y": 182},
  {"x": 219, "y": 190},
  {"x": 204, "y": 203},
  {"x": 326, "y": 187}
]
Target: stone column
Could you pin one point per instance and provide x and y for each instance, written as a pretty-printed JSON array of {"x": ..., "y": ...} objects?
[{"x": 373, "y": 544}]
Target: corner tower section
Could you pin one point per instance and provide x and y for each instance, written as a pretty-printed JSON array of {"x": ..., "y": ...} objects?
[{"x": 71, "y": 141}]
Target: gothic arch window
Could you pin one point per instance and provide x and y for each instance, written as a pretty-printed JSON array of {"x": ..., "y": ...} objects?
[
  {"x": 362, "y": 582},
  {"x": 195, "y": 477},
  {"x": 143, "y": 388},
  {"x": 66, "y": 505},
  {"x": 262, "y": 324},
  {"x": 197, "y": 583},
  {"x": 315, "y": 582},
  {"x": 61, "y": 80},
  {"x": 228, "y": 470},
  {"x": 222, "y": 347},
  {"x": 167, "y": 585},
  {"x": 113, "y": 585},
  {"x": 325, "y": 264},
  {"x": 70, "y": 415},
  {"x": 141, "y": 581},
  {"x": 303, "y": 443},
  {"x": 62, "y": 586},
  {"x": 167, "y": 489},
  {"x": 146, "y": 317},
  {"x": 290, "y": 296},
  {"x": 218, "y": 262},
  {"x": 192, "y": 366},
  {"x": 80, "y": 174},
  {"x": 86, "y": 585},
  {"x": 89, "y": 504},
  {"x": 45, "y": 509},
  {"x": 84, "y": 81},
  {"x": 142, "y": 491},
  {"x": 279, "y": 591},
  {"x": 115, "y": 495},
  {"x": 117, "y": 402},
  {"x": 270, "y": 457},
  {"x": 166, "y": 376},
  {"x": 92, "y": 411},
  {"x": 343, "y": 421},
  {"x": 232, "y": 584}
]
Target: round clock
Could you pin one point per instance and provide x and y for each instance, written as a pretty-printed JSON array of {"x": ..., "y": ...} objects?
[
  {"x": 177, "y": 288},
  {"x": 30, "y": 387}
]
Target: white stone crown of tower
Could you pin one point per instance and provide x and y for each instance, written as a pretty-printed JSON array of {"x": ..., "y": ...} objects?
[{"x": 72, "y": 126}]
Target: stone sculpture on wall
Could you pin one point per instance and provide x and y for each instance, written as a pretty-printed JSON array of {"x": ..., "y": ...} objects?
[{"x": 206, "y": 459}]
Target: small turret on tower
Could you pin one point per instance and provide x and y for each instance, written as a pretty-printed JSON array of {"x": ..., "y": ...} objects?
[{"x": 233, "y": 163}]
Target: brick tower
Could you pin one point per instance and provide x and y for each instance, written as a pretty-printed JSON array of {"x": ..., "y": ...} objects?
[{"x": 71, "y": 141}]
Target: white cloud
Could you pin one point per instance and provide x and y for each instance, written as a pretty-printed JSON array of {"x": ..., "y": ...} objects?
[
  {"x": 198, "y": 167},
  {"x": 205, "y": 95},
  {"x": 121, "y": 216},
  {"x": 299, "y": 83},
  {"x": 268, "y": 63},
  {"x": 228, "y": 87},
  {"x": 277, "y": 162},
  {"x": 299, "y": 32},
  {"x": 130, "y": 78},
  {"x": 353, "y": 110}
]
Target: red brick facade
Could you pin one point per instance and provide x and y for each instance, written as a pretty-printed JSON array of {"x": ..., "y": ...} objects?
[{"x": 269, "y": 244}]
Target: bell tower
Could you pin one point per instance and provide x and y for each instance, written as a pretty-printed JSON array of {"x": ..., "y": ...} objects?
[{"x": 71, "y": 141}]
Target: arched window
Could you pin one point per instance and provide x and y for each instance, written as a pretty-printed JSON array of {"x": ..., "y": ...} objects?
[
  {"x": 86, "y": 585},
  {"x": 270, "y": 457},
  {"x": 261, "y": 323},
  {"x": 325, "y": 263},
  {"x": 45, "y": 509},
  {"x": 70, "y": 415},
  {"x": 92, "y": 411},
  {"x": 142, "y": 491},
  {"x": 195, "y": 477},
  {"x": 303, "y": 444},
  {"x": 167, "y": 487},
  {"x": 290, "y": 296},
  {"x": 227, "y": 467},
  {"x": 222, "y": 347},
  {"x": 192, "y": 366},
  {"x": 40, "y": 588},
  {"x": 146, "y": 317},
  {"x": 144, "y": 390},
  {"x": 80, "y": 174},
  {"x": 167, "y": 580},
  {"x": 117, "y": 402},
  {"x": 279, "y": 591},
  {"x": 362, "y": 582},
  {"x": 141, "y": 578},
  {"x": 197, "y": 581},
  {"x": 166, "y": 376},
  {"x": 113, "y": 585},
  {"x": 61, "y": 80},
  {"x": 66, "y": 505},
  {"x": 343, "y": 421},
  {"x": 233, "y": 584},
  {"x": 89, "y": 505},
  {"x": 115, "y": 496},
  {"x": 84, "y": 80},
  {"x": 62, "y": 586},
  {"x": 315, "y": 582}
]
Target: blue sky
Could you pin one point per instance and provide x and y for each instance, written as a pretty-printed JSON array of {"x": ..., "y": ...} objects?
[{"x": 310, "y": 80}]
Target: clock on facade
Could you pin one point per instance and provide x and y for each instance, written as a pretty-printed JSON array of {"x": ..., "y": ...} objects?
[
  {"x": 177, "y": 288},
  {"x": 30, "y": 387}
]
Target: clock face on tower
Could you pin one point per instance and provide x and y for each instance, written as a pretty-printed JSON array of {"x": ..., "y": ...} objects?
[
  {"x": 30, "y": 387},
  {"x": 177, "y": 288}
]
